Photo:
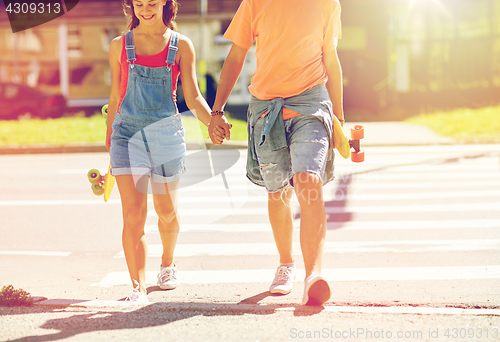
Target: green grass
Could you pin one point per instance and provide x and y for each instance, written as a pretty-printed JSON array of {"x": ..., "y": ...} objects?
[
  {"x": 53, "y": 131},
  {"x": 471, "y": 126},
  {"x": 464, "y": 125},
  {"x": 76, "y": 130}
]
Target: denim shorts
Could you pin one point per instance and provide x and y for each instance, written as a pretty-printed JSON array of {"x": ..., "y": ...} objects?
[
  {"x": 157, "y": 150},
  {"x": 307, "y": 151}
]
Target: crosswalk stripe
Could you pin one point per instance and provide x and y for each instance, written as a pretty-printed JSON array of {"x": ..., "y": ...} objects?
[
  {"x": 36, "y": 253},
  {"x": 416, "y": 184},
  {"x": 349, "y": 208},
  {"x": 273, "y": 308},
  {"x": 340, "y": 194},
  {"x": 332, "y": 274},
  {"x": 395, "y": 246},
  {"x": 474, "y": 183},
  {"x": 420, "y": 176},
  {"x": 414, "y": 224},
  {"x": 354, "y": 192},
  {"x": 348, "y": 225},
  {"x": 474, "y": 165}
]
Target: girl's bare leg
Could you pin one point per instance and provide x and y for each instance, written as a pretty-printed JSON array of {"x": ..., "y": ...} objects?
[
  {"x": 165, "y": 202},
  {"x": 134, "y": 206}
]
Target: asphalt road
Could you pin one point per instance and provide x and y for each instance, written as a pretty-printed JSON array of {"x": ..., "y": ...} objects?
[{"x": 412, "y": 252}]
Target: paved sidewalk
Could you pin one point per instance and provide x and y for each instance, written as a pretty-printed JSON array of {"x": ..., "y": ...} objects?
[
  {"x": 398, "y": 133},
  {"x": 376, "y": 134}
]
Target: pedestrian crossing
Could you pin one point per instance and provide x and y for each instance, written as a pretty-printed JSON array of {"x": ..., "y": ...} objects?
[
  {"x": 406, "y": 205},
  {"x": 334, "y": 275}
]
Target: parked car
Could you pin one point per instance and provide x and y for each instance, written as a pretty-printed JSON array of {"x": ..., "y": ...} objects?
[{"x": 21, "y": 101}]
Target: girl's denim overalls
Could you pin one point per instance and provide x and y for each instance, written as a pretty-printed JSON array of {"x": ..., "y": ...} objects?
[{"x": 148, "y": 137}]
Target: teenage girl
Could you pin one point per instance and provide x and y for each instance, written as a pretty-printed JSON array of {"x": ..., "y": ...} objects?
[{"x": 145, "y": 137}]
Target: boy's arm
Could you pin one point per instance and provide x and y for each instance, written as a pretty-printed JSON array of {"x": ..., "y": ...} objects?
[
  {"x": 335, "y": 83},
  {"x": 229, "y": 75}
]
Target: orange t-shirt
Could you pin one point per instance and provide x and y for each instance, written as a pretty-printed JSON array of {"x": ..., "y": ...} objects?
[{"x": 291, "y": 38}]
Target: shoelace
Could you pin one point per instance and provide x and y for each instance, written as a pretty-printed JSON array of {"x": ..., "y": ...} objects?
[
  {"x": 166, "y": 274},
  {"x": 134, "y": 293},
  {"x": 284, "y": 274}
]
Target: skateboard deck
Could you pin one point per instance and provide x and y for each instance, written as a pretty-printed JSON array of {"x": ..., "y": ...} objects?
[
  {"x": 348, "y": 147},
  {"x": 102, "y": 185}
]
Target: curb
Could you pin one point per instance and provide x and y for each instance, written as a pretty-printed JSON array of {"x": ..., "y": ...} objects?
[{"x": 96, "y": 148}]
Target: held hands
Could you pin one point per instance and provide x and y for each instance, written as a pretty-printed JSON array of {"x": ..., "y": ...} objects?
[{"x": 219, "y": 128}]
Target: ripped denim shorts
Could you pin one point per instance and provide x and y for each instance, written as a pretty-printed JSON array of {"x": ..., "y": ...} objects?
[{"x": 307, "y": 151}]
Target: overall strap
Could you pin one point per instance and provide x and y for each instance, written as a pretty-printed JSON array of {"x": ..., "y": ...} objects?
[
  {"x": 172, "y": 48},
  {"x": 129, "y": 47}
]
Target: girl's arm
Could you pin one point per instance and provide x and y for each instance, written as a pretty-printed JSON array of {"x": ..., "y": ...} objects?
[
  {"x": 192, "y": 95},
  {"x": 229, "y": 75},
  {"x": 115, "y": 50},
  {"x": 334, "y": 84}
]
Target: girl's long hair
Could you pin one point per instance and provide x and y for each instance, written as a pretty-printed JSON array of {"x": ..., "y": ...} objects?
[{"x": 169, "y": 14}]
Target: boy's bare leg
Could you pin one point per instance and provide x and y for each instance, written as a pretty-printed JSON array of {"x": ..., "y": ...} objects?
[
  {"x": 280, "y": 217},
  {"x": 309, "y": 191}
]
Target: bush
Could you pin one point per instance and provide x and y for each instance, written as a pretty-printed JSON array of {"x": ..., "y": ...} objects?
[{"x": 12, "y": 297}]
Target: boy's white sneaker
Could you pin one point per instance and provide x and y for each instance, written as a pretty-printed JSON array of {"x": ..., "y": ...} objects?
[
  {"x": 283, "y": 280},
  {"x": 316, "y": 290}
]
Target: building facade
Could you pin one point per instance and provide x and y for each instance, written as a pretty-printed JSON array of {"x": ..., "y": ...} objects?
[{"x": 409, "y": 55}]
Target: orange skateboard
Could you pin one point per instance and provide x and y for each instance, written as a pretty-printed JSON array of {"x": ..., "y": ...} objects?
[
  {"x": 348, "y": 147},
  {"x": 102, "y": 185}
]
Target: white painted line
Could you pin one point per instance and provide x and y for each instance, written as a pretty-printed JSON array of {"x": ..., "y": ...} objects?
[
  {"x": 54, "y": 202},
  {"x": 349, "y": 208},
  {"x": 412, "y": 310},
  {"x": 35, "y": 253},
  {"x": 415, "y": 184},
  {"x": 407, "y": 246},
  {"x": 355, "y": 192},
  {"x": 350, "y": 225},
  {"x": 332, "y": 274},
  {"x": 424, "y": 208},
  {"x": 343, "y": 194},
  {"x": 211, "y": 307},
  {"x": 233, "y": 227},
  {"x": 381, "y": 175},
  {"x": 433, "y": 151},
  {"x": 413, "y": 224}
]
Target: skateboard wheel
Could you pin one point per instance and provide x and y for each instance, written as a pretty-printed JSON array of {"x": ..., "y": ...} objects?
[
  {"x": 357, "y": 132},
  {"x": 94, "y": 176},
  {"x": 104, "y": 111},
  {"x": 358, "y": 157},
  {"x": 97, "y": 189}
]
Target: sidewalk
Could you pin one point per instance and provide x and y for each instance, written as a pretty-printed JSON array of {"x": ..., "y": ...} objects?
[{"x": 390, "y": 133}]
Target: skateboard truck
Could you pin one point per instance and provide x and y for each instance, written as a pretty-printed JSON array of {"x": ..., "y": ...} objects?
[
  {"x": 102, "y": 184},
  {"x": 97, "y": 182},
  {"x": 357, "y": 133}
]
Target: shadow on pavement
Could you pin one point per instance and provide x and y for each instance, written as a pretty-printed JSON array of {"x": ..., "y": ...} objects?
[{"x": 154, "y": 315}]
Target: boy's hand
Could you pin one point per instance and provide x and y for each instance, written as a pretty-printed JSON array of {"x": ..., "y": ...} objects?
[{"x": 218, "y": 129}]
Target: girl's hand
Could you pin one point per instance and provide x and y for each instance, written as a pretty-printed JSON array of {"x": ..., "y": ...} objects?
[{"x": 218, "y": 129}]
